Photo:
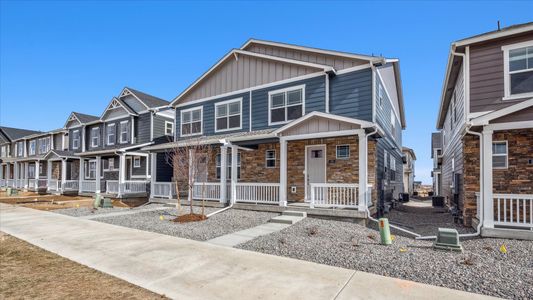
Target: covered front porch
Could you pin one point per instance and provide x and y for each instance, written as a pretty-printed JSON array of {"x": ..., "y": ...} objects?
[{"x": 313, "y": 162}]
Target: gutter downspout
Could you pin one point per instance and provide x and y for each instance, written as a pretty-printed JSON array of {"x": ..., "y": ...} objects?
[{"x": 224, "y": 142}]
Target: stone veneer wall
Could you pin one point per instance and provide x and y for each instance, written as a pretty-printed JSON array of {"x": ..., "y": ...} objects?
[
  {"x": 56, "y": 170},
  {"x": 516, "y": 179}
]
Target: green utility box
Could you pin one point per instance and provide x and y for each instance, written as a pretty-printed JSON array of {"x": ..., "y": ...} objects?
[
  {"x": 97, "y": 201},
  {"x": 448, "y": 239},
  {"x": 384, "y": 231},
  {"x": 107, "y": 203}
]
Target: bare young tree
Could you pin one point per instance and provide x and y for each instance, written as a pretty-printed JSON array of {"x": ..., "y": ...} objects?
[{"x": 190, "y": 165}]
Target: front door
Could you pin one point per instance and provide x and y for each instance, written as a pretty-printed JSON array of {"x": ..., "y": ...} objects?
[{"x": 315, "y": 167}]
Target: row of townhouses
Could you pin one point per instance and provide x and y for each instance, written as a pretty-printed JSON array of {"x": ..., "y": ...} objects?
[
  {"x": 482, "y": 151},
  {"x": 285, "y": 124}
]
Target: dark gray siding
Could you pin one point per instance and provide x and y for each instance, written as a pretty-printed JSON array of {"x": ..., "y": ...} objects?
[
  {"x": 383, "y": 116},
  {"x": 388, "y": 186},
  {"x": 209, "y": 114},
  {"x": 58, "y": 141},
  {"x": 139, "y": 171},
  {"x": 142, "y": 128},
  {"x": 117, "y": 133},
  {"x": 314, "y": 100},
  {"x": 70, "y": 137},
  {"x": 159, "y": 128},
  {"x": 88, "y": 137},
  {"x": 351, "y": 95}
]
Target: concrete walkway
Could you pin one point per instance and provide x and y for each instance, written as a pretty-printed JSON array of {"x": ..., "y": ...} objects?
[
  {"x": 239, "y": 237},
  {"x": 186, "y": 269}
]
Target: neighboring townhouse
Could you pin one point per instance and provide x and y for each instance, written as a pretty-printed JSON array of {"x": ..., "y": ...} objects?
[
  {"x": 293, "y": 125},
  {"x": 108, "y": 148},
  {"x": 486, "y": 125},
  {"x": 436, "y": 155},
  {"x": 409, "y": 159},
  {"x": 8, "y": 154}
]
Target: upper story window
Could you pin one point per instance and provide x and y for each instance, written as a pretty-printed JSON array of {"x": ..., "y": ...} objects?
[
  {"x": 124, "y": 131},
  {"x": 499, "y": 155},
  {"x": 32, "y": 148},
  {"x": 3, "y": 151},
  {"x": 44, "y": 145},
  {"x": 343, "y": 151},
  {"x": 518, "y": 70},
  {"x": 111, "y": 134},
  {"x": 95, "y": 136},
  {"x": 76, "y": 139},
  {"x": 169, "y": 128},
  {"x": 20, "y": 149},
  {"x": 228, "y": 115},
  {"x": 191, "y": 121},
  {"x": 285, "y": 105}
]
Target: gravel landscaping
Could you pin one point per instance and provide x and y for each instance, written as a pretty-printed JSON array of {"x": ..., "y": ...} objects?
[
  {"x": 481, "y": 268},
  {"x": 88, "y": 211},
  {"x": 223, "y": 223}
]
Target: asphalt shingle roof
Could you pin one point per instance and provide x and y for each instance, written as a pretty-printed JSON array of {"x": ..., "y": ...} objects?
[
  {"x": 84, "y": 118},
  {"x": 17, "y": 133},
  {"x": 149, "y": 100}
]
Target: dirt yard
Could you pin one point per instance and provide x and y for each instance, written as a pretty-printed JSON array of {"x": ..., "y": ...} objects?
[{"x": 29, "y": 272}]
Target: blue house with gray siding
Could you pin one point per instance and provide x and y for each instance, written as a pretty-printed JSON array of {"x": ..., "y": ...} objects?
[{"x": 293, "y": 125}]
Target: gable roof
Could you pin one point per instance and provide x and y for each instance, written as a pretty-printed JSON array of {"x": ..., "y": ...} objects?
[
  {"x": 84, "y": 118},
  {"x": 148, "y": 100},
  {"x": 324, "y": 116},
  {"x": 116, "y": 102},
  {"x": 409, "y": 150},
  {"x": 17, "y": 133},
  {"x": 486, "y": 118},
  {"x": 454, "y": 62}
]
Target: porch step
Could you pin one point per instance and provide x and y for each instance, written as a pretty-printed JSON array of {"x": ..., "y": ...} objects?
[
  {"x": 284, "y": 219},
  {"x": 294, "y": 213}
]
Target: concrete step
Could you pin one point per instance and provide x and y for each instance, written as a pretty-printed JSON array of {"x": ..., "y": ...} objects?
[
  {"x": 286, "y": 219},
  {"x": 293, "y": 213}
]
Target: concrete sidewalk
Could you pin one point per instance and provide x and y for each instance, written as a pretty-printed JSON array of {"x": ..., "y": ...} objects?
[{"x": 186, "y": 269}]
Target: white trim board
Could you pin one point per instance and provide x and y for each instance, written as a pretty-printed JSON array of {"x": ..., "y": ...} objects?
[{"x": 485, "y": 119}]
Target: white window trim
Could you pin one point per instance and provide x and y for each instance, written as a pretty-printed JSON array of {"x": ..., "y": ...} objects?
[
  {"x": 108, "y": 135},
  {"x": 171, "y": 128},
  {"x": 227, "y": 102},
  {"x": 506, "y": 75},
  {"x": 269, "y": 159},
  {"x": 120, "y": 131},
  {"x": 506, "y": 155},
  {"x": 285, "y": 90},
  {"x": 30, "y": 148},
  {"x": 95, "y": 137},
  {"x": 337, "y": 151},
  {"x": 88, "y": 174},
  {"x": 136, "y": 162},
  {"x": 201, "y": 108},
  {"x": 74, "y": 139}
]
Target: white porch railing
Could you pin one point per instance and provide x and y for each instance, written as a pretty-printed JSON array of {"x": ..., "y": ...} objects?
[
  {"x": 257, "y": 192},
  {"x": 88, "y": 186},
  {"x": 133, "y": 187},
  {"x": 163, "y": 190},
  {"x": 70, "y": 185},
  {"x": 513, "y": 210},
  {"x": 206, "y": 191},
  {"x": 53, "y": 185},
  {"x": 32, "y": 183},
  {"x": 10, "y": 183},
  {"x": 111, "y": 187},
  {"x": 339, "y": 195},
  {"x": 2, "y": 182},
  {"x": 42, "y": 183}
]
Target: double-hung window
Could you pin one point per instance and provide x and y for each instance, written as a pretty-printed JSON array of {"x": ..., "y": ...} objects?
[
  {"x": 124, "y": 131},
  {"x": 228, "y": 115},
  {"x": 75, "y": 139},
  {"x": 270, "y": 158},
  {"x": 111, "y": 164},
  {"x": 286, "y": 105},
  {"x": 32, "y": 148},
  {"x": 518, "y": 70},
  {"x": 136, "y": 161},
  {"x": 95, "y": 136},
  {"x": 499, "y": 155},
  {"x": 228, "y": 172},
  {"x": 20, "y": 149},
  {"x": 343, "y": 151},
  {"x": 169, "y": 128},
  {"x": 110, "y": 134},
  {"x": 4, "y": 152},
  {"x": 44, "y": 145},
  {"x": 191, "y": 121},
  {"x": 91, "y": 170}
]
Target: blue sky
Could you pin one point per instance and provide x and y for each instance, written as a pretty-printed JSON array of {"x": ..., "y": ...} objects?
[{"x": 58, "y": 57}]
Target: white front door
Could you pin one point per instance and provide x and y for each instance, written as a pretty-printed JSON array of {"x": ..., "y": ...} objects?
[{"x": 315, "y": 167}]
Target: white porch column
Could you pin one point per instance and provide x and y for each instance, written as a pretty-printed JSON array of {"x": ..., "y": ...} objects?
[
  {"x": 121, "y": 173},
  {"x": 282, "y": 172},
  {"x": 8, "y": 171},
  {"x": 487, "y": 198},
  {"x": 234, "y": 173},
  {"x": 191, "y": 174},
  {"x": 223, "y": 174},
  {"x": 48, "y": 174},
  {"x": 37, "y": 173},
  {"x": 2, "y": 172},
  {"x": 81, "y": 173},
  {"x": 363, "y": 171},
  {"x": 26, "y": 174},
  {"x": 98, "y": 174},
  {"x": 16, "y": 174},
  {"x": 63, "y": 173},
  {"x": 153, "y": 174}
]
